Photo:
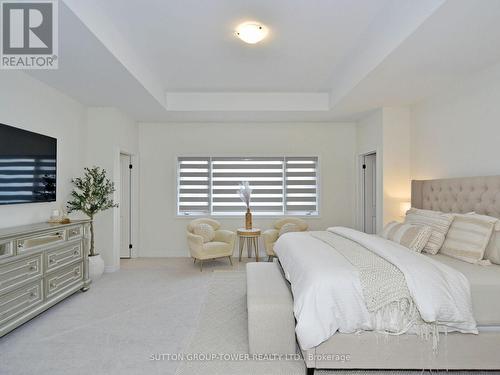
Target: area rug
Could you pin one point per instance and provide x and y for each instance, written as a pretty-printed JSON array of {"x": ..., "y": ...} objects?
[
  {"x": 220, "y": 342},
  {"x": 219, "y": 345}
]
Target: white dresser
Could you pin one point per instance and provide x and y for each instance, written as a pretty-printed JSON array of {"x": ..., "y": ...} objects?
[{"x": 40, "y": 264}]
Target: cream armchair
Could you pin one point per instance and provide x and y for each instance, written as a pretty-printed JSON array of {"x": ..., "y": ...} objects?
[
  {"x": 221, "y": 246},
  {"x": 271, "y": 235}
]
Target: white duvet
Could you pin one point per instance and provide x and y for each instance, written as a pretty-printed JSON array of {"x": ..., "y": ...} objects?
[{"x": 327, "y": 290}]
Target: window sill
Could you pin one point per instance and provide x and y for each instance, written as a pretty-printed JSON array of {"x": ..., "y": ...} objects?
[{"x": 260, "y": 217}]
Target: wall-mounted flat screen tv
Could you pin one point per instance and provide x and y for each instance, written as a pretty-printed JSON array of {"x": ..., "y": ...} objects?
[{"x": 28, "y": 163}]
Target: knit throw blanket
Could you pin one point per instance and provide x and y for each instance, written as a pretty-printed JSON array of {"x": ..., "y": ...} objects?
[{"x": 384, "y": 287}]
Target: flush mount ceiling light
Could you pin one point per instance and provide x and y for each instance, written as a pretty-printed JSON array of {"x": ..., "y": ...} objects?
[{"x": 251, "y": 32}]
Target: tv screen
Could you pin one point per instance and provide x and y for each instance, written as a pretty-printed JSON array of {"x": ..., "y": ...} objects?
[{"x": 28, "y": 164}]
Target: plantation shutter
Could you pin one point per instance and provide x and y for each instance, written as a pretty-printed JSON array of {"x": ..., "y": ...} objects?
[
  {"x": 301, "y": 185},
  {"x": 193, "y": 185},
  {"x": 265, "y": 175}
]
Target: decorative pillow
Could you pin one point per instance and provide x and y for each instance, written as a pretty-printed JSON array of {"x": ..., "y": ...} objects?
[
  {"x": 439, "y": 223},
  {"x": 467, "y": 238},
  {"x": 414, "y": 237},
  {"x": 205, "y": 231},
  {"x": 490, "y": 219},
  {"x": 289, "y": 227},
  {"x": 492, "y": 252}
]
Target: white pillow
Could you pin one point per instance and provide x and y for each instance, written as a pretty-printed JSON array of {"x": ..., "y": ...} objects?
[
  {"x": 468, "y": 237},
  {"x": 439, "y": 223},
  {"x": 414, "y": 237},
  {"x": 289, "y": 227},
  {"x": 205, "y": 231},
  {"x": 492, "y": 252},
  {"x": 490, "y": 219}
]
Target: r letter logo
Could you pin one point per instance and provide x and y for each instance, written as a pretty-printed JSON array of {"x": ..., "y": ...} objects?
[{"x": 29, "y": 35}]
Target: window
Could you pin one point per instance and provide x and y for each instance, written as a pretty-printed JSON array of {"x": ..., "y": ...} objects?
[
  {"x": 281, "y": 185},
  {"x": 193, "y": 186}
]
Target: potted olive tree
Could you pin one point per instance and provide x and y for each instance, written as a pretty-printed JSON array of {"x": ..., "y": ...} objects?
[{"x": 93, "y": 193}]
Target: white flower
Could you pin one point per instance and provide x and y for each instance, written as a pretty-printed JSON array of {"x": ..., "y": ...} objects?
[{"x": 245, "y": 193}]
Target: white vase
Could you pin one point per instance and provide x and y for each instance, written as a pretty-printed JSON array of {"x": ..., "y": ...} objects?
[{"x": 96, "y": 267}]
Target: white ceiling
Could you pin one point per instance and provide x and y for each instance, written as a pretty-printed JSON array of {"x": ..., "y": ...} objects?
[
  {"x": 179, "y": 61},
  {"x": 92, "y": 75},
  {"x": 460, "y": 39},
  {"x": 190, "y": 44}
]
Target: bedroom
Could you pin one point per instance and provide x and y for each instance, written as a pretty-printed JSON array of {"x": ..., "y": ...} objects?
[{"x": 408, "y": 89}]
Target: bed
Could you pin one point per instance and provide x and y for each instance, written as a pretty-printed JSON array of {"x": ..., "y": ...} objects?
[
  {"x": 485, "y": 289},
  {"x": 462, "y": 346}
]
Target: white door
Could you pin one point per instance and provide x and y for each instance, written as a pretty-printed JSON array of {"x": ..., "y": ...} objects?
[
  {"x": 125, "y": 206},
  {"x": 370, "y": 193}
]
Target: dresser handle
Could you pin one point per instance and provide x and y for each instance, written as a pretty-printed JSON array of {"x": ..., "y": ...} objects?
[
  {"x": 20, "y": 245},
  {"x": 76, "y": 252},
  {"x": 32, "y": 295},
  {"x": 77, "y": 272},
  {"x": 51, "y": 260},
  {"x": 32, "y": 268},
  {"x": 52, "y": 284}
]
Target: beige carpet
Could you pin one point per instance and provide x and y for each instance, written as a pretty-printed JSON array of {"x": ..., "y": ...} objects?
[
  {"x": 150, "y": 306},
  {"x": 222, "y": 330}
]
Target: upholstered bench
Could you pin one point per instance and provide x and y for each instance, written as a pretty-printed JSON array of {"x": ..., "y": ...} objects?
[{"x": 271, "y": 323}]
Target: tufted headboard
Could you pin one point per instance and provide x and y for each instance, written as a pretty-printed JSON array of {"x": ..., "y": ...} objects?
[{"x": 458, "y": 195}]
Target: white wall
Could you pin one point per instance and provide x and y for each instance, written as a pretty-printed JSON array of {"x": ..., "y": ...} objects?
[
  {"x": 85, "y": 137},
  {"x": 454, "y": 134},
  {"x": 29, "y": 104},
  {"x": 458, "y": 133},
  {"x": 386, "y": 131},
  {"x": 162, "y": 233},
  {"x": 397, "y": 185},
  {"x": 369, "y": 139},
  {"x": 109, "y": 132}
]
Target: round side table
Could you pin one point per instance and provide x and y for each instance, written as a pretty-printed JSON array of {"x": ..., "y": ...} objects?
[{"x": 250, "y": 237}]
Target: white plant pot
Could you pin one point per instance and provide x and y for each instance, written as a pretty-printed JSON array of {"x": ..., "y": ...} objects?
[{"x": 96, "y": 267}]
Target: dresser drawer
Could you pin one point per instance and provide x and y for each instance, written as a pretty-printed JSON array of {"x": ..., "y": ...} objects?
[
  {"x": 74, "y": 232},
  {"x": 21, "y": 300},
  {"x": 63, "y": 279},
  {"x": 58, "y": 258},
  {"x": 6, "y": 249},
  {"x": 18, "y": 272},
  {"x": 40, "y": 240}
]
